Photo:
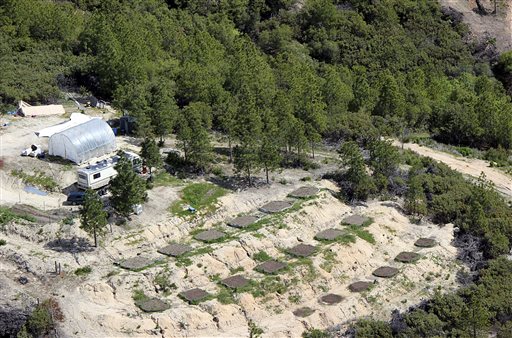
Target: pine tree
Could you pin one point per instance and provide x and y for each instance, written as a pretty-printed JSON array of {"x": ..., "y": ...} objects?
[
  {"x": 127, "y": 188},
  {"x": 415, "y": 200},
  {"x": 92, "y": 216},
  {"x": 150, "y": 154},
  {"x": 359, "y": 185},
  {"x": 269, "y": 152},
  {"x": 193, "y": 137}
]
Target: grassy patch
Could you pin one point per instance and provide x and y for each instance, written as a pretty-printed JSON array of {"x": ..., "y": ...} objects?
[
  {"x": 268, "y": 285},
  {"x": 83, "y": 271},
  {"x": 139, "y": 296},
  {"x": 261, "y": 256},
  {"x": 295, "y": 298},
  {"x": 225, "y": 296},
  {"x": 344, "y": 239},
  {"x": 184, "y": 260},
  {"x": 162, "y": 281},
  {"x": 201, "y": 196},
  {"x": 7, "y": 215},
  {"x": 39, "y": 179},
  {"x": 329, "y": 260},
  {"x": 361, "y": 233},
  {"x": 164, "y": 179}
]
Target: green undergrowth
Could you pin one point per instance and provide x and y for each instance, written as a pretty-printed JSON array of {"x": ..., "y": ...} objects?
[
  {"x": 38, "y": 179},
  {"x": 139, "y": 296},
  {"x": 201, "y": 196},
  {"x": 83, "y": 271},
  {"x": 276, "y": 219},
  {"x": 361, "y": 233},
  {"x": 164, "y": 179},
  {"x": 7, "y": 215},
  {"x": 184, "y": 260},
  {"x": 345, "y": 239}
]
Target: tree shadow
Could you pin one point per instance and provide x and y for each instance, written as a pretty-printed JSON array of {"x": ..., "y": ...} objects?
[
  {"x": 224, "y": 151},
  {"x": 70, "y": 245},
  {"x": 235, "y": 183}
]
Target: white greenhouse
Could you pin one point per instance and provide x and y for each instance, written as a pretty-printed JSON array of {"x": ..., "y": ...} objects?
[{"x": 83, "y": 142}]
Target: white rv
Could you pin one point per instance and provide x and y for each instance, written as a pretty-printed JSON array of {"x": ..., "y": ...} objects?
[{"x": 99, "y": 175}]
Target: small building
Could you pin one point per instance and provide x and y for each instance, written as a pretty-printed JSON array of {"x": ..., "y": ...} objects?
[
  {"x": 83, "y": 142},
  {"x": 25, "y": 109}
]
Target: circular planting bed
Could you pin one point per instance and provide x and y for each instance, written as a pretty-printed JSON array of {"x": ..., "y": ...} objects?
[
  {"x": 276, "y": 206},
  {"x": 235, "y": 282},
  {"x": 357, "y": 220},
  {"x": 360, "y": 286},
  {"x": 136, "y": 263},
  {"x": 331, "y": 299},
  {"x": 153, "y": 305},
  {"x": 329, "y": 235},
  {"x": 242, "y": 221},
  {"x": 407, "y": 257},
  {"x": 210, "y": 235},
  {"x": 303, "y": 312},
  {"x": 304, "y": 192},
  {"x": 270, "y": 266},
  {"x": 175, "y": 249},
  {"x": 302, "y": 250},
  {"x": 385, "y": 272},
  {"x": 425, "y": 243}
]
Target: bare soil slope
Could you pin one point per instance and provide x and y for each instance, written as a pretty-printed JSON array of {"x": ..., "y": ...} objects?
[{"x": 498, "y": 26}]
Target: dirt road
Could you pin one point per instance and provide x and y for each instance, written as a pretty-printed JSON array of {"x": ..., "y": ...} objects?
[{"x": 466, "y": 166}]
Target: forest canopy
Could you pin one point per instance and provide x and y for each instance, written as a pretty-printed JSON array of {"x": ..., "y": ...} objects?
[{"x": 298, "y": 71}]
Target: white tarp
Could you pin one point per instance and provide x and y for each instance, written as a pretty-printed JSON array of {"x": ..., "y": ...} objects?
[
  {"x": 25, "y": 109},
  {"x": 74, "y": 120},
  {"x": 83, "y": 142}
]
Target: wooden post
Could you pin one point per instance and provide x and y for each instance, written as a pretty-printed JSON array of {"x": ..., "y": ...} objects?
[
  {"x": 56, "y": 270},
  {"x": 60, "y": 269}
]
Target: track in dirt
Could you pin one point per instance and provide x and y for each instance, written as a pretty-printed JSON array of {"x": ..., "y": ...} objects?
[{"x": 466, "y": 166}]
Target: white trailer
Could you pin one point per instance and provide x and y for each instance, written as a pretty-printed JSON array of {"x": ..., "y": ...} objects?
[{"x": 98, "y": 176}]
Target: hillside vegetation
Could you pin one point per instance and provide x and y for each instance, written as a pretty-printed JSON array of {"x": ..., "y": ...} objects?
[
  {"x": 275, "y": 79},
  {"x": 285, "y": 71}
]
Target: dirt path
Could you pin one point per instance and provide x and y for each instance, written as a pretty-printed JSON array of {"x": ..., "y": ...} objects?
[{"x": 466, "y": 166}]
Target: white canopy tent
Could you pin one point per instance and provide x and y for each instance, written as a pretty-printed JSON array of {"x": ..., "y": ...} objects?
[
  {"x": 74, "y": 120},
  {"x": 25, "y": 109},
  {"x": 82, "y": 142}
]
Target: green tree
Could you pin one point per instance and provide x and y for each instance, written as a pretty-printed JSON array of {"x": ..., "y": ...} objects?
[
  {"x": 384, "y": 158},
  {"x": 368, "y": 328},
  {"x": 193, "y": 138},
  {"x": 357, "y": 184},
  {"x": 315, "y": 333},
  {"x": 92, "y": 216},
  {"x": 269, "y": 152},
  {"x": 127, "y": 188},
  {"x": 150, "y": 154},
  {"x": 415, "y": 199}
]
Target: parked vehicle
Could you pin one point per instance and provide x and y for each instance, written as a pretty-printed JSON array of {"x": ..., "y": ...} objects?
[
  {"x": 98, "y": 176},
  {"x": 76, "y": 198}
]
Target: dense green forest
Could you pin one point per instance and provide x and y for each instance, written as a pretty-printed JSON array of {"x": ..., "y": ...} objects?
[
  {"x": 282, "y": 70},
  {"x": 277, "y": 77}
]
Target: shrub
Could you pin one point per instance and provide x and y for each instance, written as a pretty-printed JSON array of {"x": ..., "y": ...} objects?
[
  {"x": 315, "y": 333},
  {"x": 261, "y": 256},
  {"x": 83, "y": 271},
  {"x": 3, "y": 242},
  {"x": 39, "y": 179},
  {"x": 497, "y": 155}
]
